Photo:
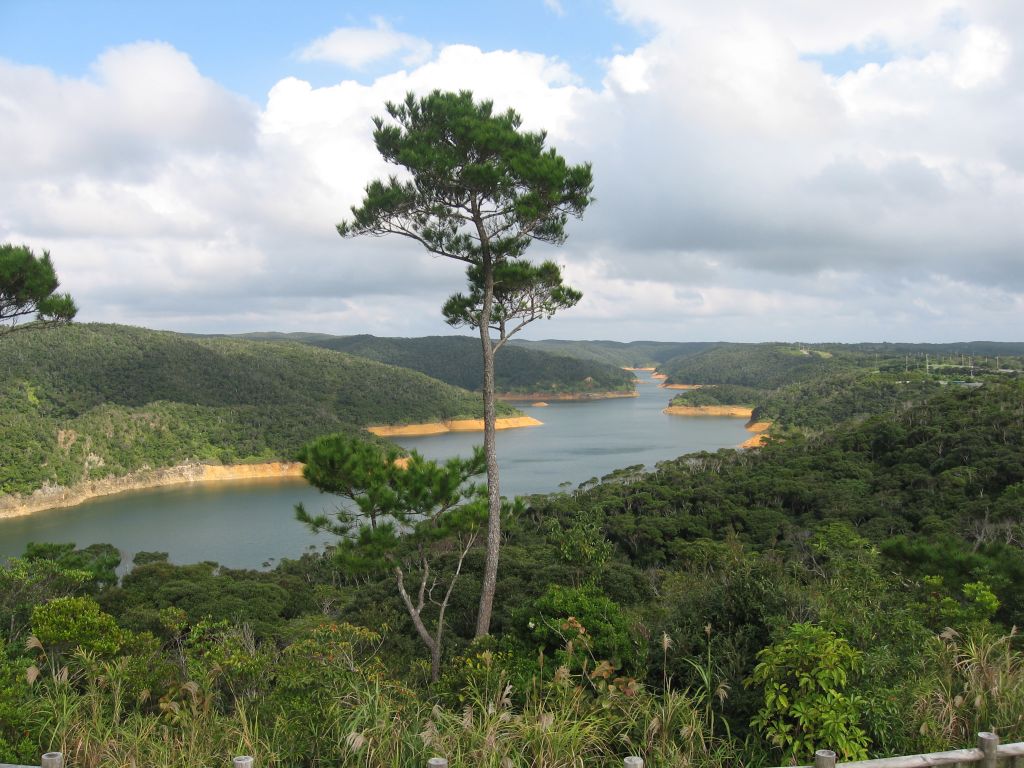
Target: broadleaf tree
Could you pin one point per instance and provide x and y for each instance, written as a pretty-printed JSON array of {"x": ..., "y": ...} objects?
[
  {"x": 413, "y": 517},
  {"x": 28, "y": 285},
  {"x": 479, "y": 189}
]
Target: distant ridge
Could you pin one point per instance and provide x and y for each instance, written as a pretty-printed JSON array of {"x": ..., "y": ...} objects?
[{"x": 457, "y": 361}]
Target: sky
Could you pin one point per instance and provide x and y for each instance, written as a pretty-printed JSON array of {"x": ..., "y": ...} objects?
[{"x": 765, "y": 170}]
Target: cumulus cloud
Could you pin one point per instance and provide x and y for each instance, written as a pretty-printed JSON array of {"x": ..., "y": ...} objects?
[
  {"x": 140, "y": 105},
  {"x": 742, "y": 192},
  {"x": 356, "y": 47},
  {"x": 555, "y": 6}
]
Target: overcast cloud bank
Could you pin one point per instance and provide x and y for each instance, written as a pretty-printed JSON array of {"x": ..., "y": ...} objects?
[{"x": 743, "y": 192}]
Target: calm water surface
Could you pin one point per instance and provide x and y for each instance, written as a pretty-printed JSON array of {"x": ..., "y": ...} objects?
[{"x": 246, "y": 524}]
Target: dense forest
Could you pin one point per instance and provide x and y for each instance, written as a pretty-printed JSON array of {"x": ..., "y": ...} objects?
[
  {"x": 456, "y": 360},
  {"x": 811, "y": 388},
  {"x": 93, "y": 401},
  {"x": 627, "y": 354},
  {"x": 852, "y": 587},
  {"x": 767, "y": 366}
]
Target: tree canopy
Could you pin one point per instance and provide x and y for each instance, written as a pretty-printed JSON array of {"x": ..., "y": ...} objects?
[
  {"x": 481, "y": 190},
  {"x": 28, "y": 285}
]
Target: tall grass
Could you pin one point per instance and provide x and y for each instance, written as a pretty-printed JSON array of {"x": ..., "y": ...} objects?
[
  {"x": 353, "y": 715},
  {"x": 974, "y": 683}
]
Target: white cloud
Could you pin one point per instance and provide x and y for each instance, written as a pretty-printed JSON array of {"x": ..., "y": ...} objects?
[
  {"x": 356, "y": 47},
  {"x": 555, "y": 6},
  {"x": 983, "y": 59},
  {"x": 140, "y": 104},
  {"x": 628, "y": 73},
  {"x": 741, "y": 192}
]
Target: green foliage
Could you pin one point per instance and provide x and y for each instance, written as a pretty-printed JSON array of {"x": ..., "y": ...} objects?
[
  {"x": 814, "y": 387},
  {"x": 260, "y": 600},
  {"x": 623, "y": 354},
  {"x": 773, "y": 365},
  {"x": 972, "y": 609},
  {"x": 803, "y": 677},
  {"x": 821, "y": 403},
  {"x": 468, "y": 163},
  {"x": 100, "y": 561},
  {"x": 357, "y": 470},
  {"x": 583, "y": 547},
  {"x": 25, "y": 584},
  {"x": 456, "y": 361},
  {"x": 683, "y": 573},
  {"x": 407, "y": 514},
  {"x": 718, "y": 394},
  {"x": 581, "y": 627},
  {"x": 85, "y": 402},
  {"x": 478, "y": 190},
  {"x": 231, "y": 655},
  {"x": 761, "y": 366},
  {"x": 28, "y": 285},
  {"x": 67, "y": 623},
  {"x": 397, "y": 500},
  {"x": 515, "y": 293},
  {"x": 972, "y": 682},
  {"x": 17, "y": 744},
  {"x": 945, "y": 564}
]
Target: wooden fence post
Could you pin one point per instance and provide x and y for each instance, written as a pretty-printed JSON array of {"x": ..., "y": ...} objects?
[
  {"x": 988, "y": 743},
  {"x": 824, "y": 758},
  {"x": 437, "y": 762},
  {"x": 633, "y": 762},
  {"x": 52, "y": 760},
  {"x": 243, "y": 761}
]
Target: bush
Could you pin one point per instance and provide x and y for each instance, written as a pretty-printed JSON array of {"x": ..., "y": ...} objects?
[
  {"x": 803, "y": 676},
  {"x": 579, "y": 624}
]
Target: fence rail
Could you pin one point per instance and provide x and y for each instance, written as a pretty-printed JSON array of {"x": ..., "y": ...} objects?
[{"x": 988, "y": 752}]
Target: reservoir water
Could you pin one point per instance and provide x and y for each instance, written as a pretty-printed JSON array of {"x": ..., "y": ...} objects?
[{"x": 247, "y": 524}]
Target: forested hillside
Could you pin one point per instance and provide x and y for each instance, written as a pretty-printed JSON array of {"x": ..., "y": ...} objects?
[
  {"x": 813, "y": 387},
  {"x": 656, "y": 614},
  {"x": 771, "y": 365},
  {"x": 764, "y": 366},
  {"x": 457, "y": 361},
  {"x": 91, "y": 401},
  {"x": 628, "y": 354}
]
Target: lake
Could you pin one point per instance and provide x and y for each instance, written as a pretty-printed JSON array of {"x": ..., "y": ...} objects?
[{"x": 247, "y": 524}]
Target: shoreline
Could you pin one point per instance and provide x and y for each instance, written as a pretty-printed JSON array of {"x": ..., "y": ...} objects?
[
  {"x": 737, "y": 411},
  {"x": 680, "y": 386},
  {"x": 513, "y": 397},
  {"x": 455, "y": 425},
  {"x": 759, "y": 428},
  {"x": 760, "y": 436},
  {"x": 59, "y": 496}
]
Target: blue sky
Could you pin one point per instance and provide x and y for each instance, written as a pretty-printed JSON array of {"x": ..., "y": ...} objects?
[
  {"x": 764, "y": 169},
  {"x": 249, "y": 46}
]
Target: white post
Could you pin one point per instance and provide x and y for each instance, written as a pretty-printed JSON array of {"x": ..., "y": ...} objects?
[
  {"x": 824, "y": 758},
  {"x": 243, "y": 761},
  {"x": 988, "y": 743},
  {"x": 437, "y": 762},
  {"x": 633, "y": 762},
  {"x": 52, "y": 760}
]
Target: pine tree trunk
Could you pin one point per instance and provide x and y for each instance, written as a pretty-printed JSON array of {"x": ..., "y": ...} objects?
[{"x": 490, "y": 578}]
